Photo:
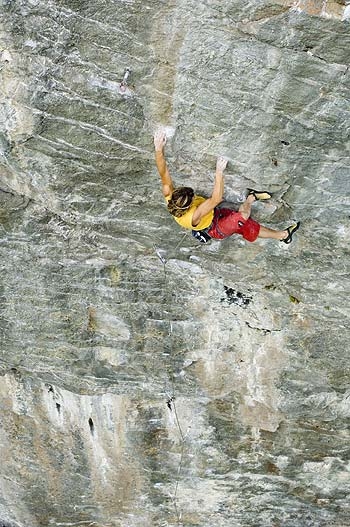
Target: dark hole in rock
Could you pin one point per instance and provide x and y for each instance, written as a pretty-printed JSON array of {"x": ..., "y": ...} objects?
[
  {"x": 235, "y": 297},
  {"x": 91, "y": 425},
  {"x": 58, "y": 407}
]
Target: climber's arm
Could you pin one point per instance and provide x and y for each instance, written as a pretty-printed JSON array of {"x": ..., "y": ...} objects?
[
  {"x": 159, "y": 144},
  {"x": 217, "y": 194}
]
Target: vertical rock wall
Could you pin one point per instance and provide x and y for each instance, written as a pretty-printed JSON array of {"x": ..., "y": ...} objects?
[{"x": 148, "y": 380}]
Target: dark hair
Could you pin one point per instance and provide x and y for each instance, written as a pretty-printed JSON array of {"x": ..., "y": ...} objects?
[{"x": 180, "y": 201}]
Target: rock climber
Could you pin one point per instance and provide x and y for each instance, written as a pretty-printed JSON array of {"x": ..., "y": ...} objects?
[{"x": 204, "y": 216}]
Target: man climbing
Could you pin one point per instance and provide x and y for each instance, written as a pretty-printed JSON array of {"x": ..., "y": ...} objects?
[{"x": 204, "y": 216}]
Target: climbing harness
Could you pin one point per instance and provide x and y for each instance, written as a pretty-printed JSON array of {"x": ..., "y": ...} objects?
[{"x": 201, "y": 236}]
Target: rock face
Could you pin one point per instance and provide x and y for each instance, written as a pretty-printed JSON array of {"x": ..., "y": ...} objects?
[{"x": 148, "y": 380}]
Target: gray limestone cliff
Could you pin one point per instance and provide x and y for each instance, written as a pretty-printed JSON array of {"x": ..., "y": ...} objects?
[{"x": 147, "y": 380}]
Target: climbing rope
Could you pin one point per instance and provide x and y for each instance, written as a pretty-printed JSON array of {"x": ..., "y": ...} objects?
[{"x": 171, "y": 400}]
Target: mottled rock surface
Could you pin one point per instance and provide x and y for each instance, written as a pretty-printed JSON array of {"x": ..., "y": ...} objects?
[{"x": 148, "y": 380}]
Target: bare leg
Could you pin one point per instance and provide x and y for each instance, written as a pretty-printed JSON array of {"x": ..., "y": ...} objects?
[
  {"x": 246, "y": 207},
  {"x": 265, "y": 232}
]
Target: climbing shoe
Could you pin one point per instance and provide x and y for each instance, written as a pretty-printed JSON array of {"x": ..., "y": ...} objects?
[
  {"x": 259, "y": 195},
  {"x": 291, "y": 230}
]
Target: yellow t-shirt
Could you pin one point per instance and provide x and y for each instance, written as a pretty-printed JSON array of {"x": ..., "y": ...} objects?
[{"x": 186, "y": 220}]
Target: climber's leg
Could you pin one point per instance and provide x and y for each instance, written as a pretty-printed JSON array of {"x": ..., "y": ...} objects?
[
  {"x": 246, "y": 207},
  {"x": 265, "y": 232}
]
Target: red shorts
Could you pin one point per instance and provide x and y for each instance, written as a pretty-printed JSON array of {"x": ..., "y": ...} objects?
[{"x": 227, "y": 222}]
